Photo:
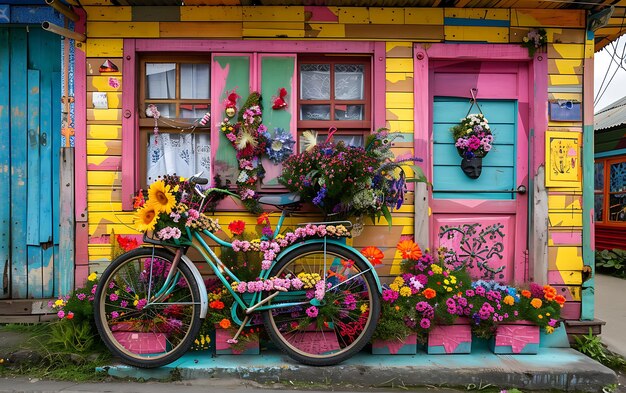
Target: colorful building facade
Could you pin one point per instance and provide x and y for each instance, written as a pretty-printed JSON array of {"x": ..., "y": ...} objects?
[{"x": 415, "y": 70}]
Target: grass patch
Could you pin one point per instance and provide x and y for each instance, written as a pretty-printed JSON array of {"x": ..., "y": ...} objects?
[{"x": 37, "y": 355}]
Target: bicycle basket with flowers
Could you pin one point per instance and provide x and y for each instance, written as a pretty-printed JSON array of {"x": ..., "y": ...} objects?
[{"x": 173, "y": 207}]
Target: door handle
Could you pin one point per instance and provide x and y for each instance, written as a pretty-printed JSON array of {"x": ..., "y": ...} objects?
[{"x": 519, "y": 190}]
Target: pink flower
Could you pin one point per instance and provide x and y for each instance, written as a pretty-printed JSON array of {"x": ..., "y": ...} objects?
[
  {"x": 312, "y": 312},
  {"x": 61, "y": 314}
]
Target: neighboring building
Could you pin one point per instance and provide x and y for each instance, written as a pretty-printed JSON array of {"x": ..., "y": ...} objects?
[
  {"x": 610, "y": 176},
  {"x": 358, "y": 67}
]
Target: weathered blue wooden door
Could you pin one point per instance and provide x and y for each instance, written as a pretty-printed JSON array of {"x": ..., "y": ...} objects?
[{"x": 30, "y": 106}]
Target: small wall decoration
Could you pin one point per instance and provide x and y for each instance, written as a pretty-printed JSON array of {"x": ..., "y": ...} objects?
[
  {"x": 231, "y": 104},
  {"x": 108, "y": 66},
  {"x": 535, "y": 39},
  {"x": 564, "y": 110},
  {"x": 99, "y": 100},
  {"x": 473, "y": 139},
  {"x": 279, "y": 102},
  {"x": 279, "y": 146},
  {"x": 563, "y": 159}
]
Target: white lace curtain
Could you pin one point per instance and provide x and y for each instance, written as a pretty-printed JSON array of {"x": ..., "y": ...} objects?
[{"x": 183, "y": 154}]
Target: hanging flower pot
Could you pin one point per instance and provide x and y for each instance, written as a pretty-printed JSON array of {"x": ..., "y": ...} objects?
[
  {"x": 472, "y": 167},
  {"x": 473, "y": 140}
]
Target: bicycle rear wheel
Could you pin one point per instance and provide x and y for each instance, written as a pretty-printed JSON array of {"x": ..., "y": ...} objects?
[
  {"x": 327, "y": 331},
  {"x": 145, "y": 319}
]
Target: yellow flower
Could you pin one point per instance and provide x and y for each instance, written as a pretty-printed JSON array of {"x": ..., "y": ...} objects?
[
  {"x": 399, "y": 281},
  {"x": 536, "y": 303},
  {"x": 394, "y": 287},
  {"x": 405, "y": 291},
  {"x": 92, "y": 277},
  {"x": 436, "y": 269},
  {"x": 549, "y": 329},
  {"x": 160, "y": 195},
  {"x": 508, "y": 300},
  {"x": 59, "y": 302},
  {"x": 364, "y": 308},
  {"x": 146, "y": 218},
  {"x": 446, "y": 281}
]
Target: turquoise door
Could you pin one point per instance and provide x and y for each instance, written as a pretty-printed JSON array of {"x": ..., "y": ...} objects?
[{"x": 30, "y": 129}]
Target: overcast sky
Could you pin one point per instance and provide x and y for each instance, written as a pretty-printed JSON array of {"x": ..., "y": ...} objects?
[{"x": 615, "y": 87}]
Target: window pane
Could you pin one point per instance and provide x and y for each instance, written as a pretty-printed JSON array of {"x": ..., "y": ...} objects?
[
  {"x": 618, "y": 177},
  {"x": 598, "y": 176},
  {"x": 160, "y": 80},
  {"x": 315, "y": 82},
  {"x": 617, "y": 207},
  {"x": 194, "y": 81},
  {"x": 598, "y": 206},
  {"x": 183, "y": 154},
  {"x": 314, "y": 112},
  {"x": 351, "y": 140},
  {"x": 349, "y": 81},
  {"x": 165, "y": 110},
  {"x": 194, "y": 111},
  {"x": 348, "y": 112}
]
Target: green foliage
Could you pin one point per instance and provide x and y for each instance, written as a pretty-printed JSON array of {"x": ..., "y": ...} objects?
[
  {"x": 593, "y": 347},
  {"x": 72, "y": 335},
  {"x": 392, "y": 325},
  {"x": 612, "y": 262}
]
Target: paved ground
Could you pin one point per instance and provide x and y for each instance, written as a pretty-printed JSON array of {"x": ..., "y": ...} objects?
[{"x": 611, "y": 308}]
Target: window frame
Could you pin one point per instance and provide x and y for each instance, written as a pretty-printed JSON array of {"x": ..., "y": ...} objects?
[
  {"x": 133, "y": 49},
  {"x": 608, "y": 161}
]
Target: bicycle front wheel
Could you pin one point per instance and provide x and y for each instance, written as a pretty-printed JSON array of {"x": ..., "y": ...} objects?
[
  {"x": 333, "y": 315},
  {"x": 145, "y": 315}
]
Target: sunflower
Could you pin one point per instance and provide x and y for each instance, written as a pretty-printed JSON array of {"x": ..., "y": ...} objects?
[
  {"x": 161, "y": 197},
  {"x": 146, "y": 217},
  {"x": 409, "y": 250},
  {"x": 373, "y": 254}
]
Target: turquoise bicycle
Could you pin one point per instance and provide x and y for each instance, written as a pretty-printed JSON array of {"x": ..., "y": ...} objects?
[{"x": 319, "y": 298}]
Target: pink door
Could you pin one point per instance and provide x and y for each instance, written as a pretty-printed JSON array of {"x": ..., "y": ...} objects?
[{"x": 484, "y": 220}]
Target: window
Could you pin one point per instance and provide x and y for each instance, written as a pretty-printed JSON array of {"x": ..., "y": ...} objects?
[
  {"x": 610, "y": 191},
  {"x": 180, "y": 90},
  {"x": 335, "y": 92}
]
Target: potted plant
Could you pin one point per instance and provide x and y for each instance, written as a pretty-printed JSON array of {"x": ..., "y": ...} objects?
[{"x": 473, "y": 140}]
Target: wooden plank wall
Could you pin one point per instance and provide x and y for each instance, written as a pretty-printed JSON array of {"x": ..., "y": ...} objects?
[{"x": 399, "y": 28}]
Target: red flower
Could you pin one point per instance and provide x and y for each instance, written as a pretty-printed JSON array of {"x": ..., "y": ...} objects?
[
  {"x": 237, "y": 227},
  {"x": 373, "y": 254},
  {"x": 127, "y": 243}
]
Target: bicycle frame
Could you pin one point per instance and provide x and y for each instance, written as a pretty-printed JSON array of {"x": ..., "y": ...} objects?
[{"x": 256, "y": 302}]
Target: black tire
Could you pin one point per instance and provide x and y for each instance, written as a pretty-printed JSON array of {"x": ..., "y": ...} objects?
[
  {"x": 350, "y": 304},
  {"x": 154, "y": 334}
]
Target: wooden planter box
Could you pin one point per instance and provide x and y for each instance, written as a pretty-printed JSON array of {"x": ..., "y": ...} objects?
[
  {"x": 408, "y": 346},
  {"x": 222, "y": 347},
  {"x": 519, "y": 337},
  {"x": 450, "y": 339}
]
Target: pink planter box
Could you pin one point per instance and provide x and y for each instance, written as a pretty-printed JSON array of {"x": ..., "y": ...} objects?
[
  {"x": 450, "y": 339},
  {"x": 222, "y": 347},
  {"x": 142, "y": 343},
  {"x": 319, "y": 342},
  {"x": 518, "y": 337},
  {"x": 408, "y": 346}
]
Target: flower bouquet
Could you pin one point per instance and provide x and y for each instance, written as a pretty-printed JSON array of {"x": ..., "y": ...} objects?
[
  {"x": 535, "y": 39},
  {"x": 348, "y": 180},
  {"x": 172, "y": 208}
]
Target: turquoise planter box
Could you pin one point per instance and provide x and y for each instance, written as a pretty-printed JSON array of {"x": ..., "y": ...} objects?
[
  {"x": 408, "y": 346},
  {"x": 450, "y": 339},
  {"x": 516, "y": 339}
]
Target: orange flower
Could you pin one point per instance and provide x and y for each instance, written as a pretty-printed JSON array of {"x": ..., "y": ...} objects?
[
  {"x": 536, "y": 303},
  {"x": 216, "y": 304},
  {"x": 263, "y": 219},
  {"x": 549, "y": 295},
  {"x": 526, "y": 293},
  {"x": 409, "y": 249},
  {"x": 560, "y": 299},
  {"x": 429, "y": 293},
  {"x": 373, "y": 254},
  {"x": 225, "y": 323}
]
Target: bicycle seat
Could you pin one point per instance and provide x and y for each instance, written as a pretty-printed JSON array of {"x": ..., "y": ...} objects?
[{"x": 279, "y": 200}]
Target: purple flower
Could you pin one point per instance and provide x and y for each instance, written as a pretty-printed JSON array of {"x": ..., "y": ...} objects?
[{"x": 425, "y": 323}]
